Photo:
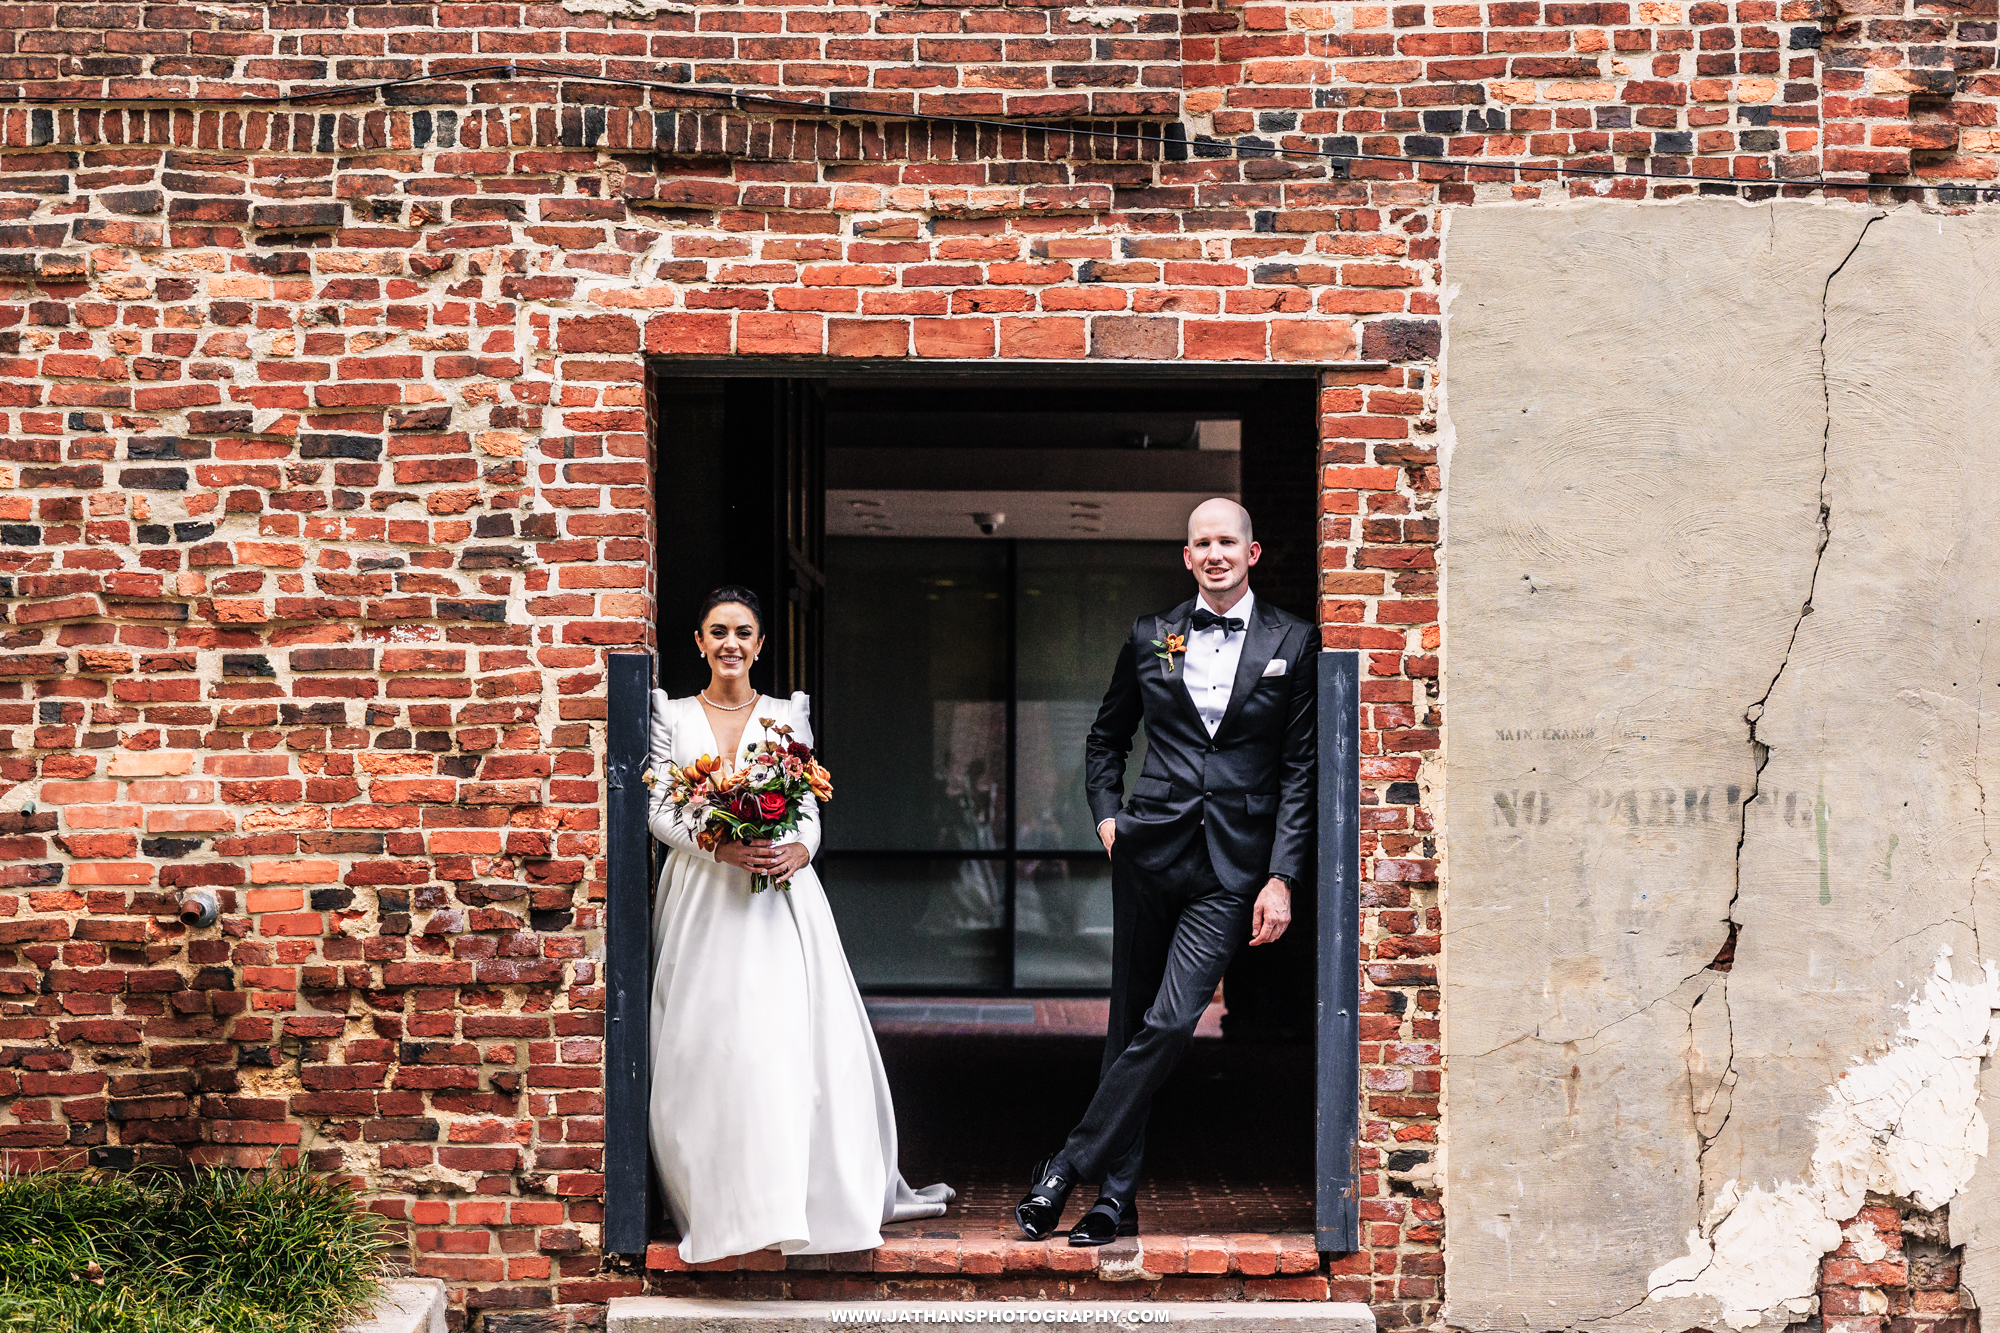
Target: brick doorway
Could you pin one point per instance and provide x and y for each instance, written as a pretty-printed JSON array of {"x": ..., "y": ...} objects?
[{"x": 981, "y": 499}]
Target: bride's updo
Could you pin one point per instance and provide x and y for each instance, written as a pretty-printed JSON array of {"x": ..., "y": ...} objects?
[{"x": 725, "y": 595}]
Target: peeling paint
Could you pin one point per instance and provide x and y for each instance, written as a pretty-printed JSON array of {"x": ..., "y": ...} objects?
[
  {"x": 637, "y": 9},
  {"x": 1103, "y": 18},
  {"x": 1906, "y": 1124},
  {"x": 1868, "y": 1244}
]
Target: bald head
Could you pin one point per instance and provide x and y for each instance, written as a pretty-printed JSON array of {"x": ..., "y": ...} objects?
[
  {"x": 1220, "y": 512},
  {"x": 1220, "y": 551}
]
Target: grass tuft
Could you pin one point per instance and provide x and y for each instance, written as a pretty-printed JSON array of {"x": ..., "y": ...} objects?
[{"x": 216, "y": 1251}]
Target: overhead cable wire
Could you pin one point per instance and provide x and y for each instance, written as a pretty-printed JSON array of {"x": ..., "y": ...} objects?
[{"x": 1207, "y": 148}]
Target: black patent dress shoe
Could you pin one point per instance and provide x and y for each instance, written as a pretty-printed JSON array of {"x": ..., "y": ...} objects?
[
  {"x": 1106, "y": 1221},
  {"x": 1039, "y": 1213}
]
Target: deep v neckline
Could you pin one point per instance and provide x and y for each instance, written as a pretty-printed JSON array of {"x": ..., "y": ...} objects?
[{"x": 736, "y": 760}]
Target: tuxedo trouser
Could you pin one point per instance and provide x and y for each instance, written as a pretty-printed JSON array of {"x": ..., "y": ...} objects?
[{"x": 1173, "y": 934}]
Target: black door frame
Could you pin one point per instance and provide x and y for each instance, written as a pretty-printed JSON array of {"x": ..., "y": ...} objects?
[{"x": 629, "y": 1188}]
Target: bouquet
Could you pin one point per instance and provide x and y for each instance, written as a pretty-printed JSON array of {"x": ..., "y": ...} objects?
[{"x": 763, "y": 799}]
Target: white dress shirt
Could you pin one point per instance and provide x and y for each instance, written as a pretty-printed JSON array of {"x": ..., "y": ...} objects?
[{"x": 1210, "y": 665}]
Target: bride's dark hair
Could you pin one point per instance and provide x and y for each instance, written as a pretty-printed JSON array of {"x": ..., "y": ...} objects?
[{"x": 726, "y": 594}]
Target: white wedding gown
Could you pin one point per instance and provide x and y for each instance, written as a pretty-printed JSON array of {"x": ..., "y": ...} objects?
[{"x": 771, "y": 1121}]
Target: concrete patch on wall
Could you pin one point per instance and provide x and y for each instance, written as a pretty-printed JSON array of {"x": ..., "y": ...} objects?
[
  {"x": 1890, "y": 689},
  {"x": 1718, "y": 560},
  {"x": 1906, "y": 1125}
]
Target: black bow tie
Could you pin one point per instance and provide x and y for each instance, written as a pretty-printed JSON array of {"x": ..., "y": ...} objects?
[{"x": 1207, "y": 619}]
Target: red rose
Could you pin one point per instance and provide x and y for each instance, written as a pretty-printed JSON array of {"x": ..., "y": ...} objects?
[{"x": 772, "y": 805}]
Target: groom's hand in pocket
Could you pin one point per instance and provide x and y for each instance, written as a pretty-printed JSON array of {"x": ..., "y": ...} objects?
[{"x": 1272, "y": 913}]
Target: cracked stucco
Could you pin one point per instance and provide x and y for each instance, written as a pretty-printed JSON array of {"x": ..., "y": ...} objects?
[
  {"x": 1717, "y": 566},
  {"x": 1712, "y": 1115},
  {"x": 1906, "y": 1125}
]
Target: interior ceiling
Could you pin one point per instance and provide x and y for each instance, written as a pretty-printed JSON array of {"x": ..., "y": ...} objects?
[
  {"x": 902, "y": 429},
  {"x": 1033, "y": 515},
  {"x": 976, "y": 469},
  {"x": 1131, "y": 476}
]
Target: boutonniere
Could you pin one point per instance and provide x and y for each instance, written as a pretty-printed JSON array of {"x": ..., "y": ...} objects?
[{"x": 1173, "y": 643}]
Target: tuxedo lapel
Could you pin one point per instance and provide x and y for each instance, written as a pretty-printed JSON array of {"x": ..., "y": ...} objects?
[
  {"x": 1263, "y": 639},
  {"x": 1176, "y": 622}
]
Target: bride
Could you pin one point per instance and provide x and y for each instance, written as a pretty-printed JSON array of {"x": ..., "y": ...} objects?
[{"x": 771, "y": 1122}]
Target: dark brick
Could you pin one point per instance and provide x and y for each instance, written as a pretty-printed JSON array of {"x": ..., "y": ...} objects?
[
  {"x": 154, "y": 478},
  {"x": 299, "y": 217},
  {"x": 1401, "y": 340}
]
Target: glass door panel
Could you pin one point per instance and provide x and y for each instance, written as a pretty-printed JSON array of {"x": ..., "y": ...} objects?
[
  {"x": 1062, "y": 923},
  {"x": 915, "y": 709},
  {"x": 962, "y": 677},
  {"x": 916, "y": 694},
  {"x": 920, "y": 923},
  {"x": 1077, "y": 603}
]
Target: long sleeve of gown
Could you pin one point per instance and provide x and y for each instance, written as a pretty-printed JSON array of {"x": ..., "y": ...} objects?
[
  {"x": 661, "y": 817},
  {"x": 802, "y": 732}
]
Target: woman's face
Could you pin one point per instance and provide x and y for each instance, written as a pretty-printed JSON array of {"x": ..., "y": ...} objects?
[{"x": 730, "y": 640}]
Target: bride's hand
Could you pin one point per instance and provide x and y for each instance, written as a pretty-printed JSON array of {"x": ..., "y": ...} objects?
[
  {"x": 788, "y": 859},
  {"x": 760, "y": 857},
  {"x": 749, "y": 856}
]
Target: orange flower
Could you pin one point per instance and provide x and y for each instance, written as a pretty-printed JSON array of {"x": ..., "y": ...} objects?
[
  {"x": 820, "y": 781},
  {"x": 708, "y": 763}
]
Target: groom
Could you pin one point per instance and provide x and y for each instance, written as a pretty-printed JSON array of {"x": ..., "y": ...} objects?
[{"x": 1203, "y": 858}]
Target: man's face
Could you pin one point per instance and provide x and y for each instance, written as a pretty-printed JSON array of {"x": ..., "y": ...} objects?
[{"x": 1217, "y": 554}]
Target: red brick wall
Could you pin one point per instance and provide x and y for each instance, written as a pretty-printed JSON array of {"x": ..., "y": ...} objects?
[
  {"x": 324, "y": 484},
  {"x": 1913, "y": 1287}
]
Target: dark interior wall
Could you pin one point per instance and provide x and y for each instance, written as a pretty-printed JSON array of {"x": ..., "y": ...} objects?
[
  {"x": 1271, "y": 990},
  {"x": 1281, "y": 491},
  {"x": 729, "y": 496},
  {"x": 690, "y": 503}
]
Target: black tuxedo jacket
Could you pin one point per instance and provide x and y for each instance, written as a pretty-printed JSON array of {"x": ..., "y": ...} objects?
[{"x": 1250, "y": 787}]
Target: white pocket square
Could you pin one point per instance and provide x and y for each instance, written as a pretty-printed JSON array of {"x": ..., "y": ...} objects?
[{"x": 1277, "y": 666}]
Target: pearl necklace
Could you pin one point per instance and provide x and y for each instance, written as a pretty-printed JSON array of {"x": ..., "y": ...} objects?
[{"x": 727, "y": 708}]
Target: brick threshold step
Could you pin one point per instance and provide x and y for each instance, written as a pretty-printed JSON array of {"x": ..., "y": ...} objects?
[
  {"x": 682, "y": 1314},
  {"x": 1149, "y": 1256}
]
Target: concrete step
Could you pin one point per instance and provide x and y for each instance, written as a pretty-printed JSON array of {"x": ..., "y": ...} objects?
[
  {"x": 682, "y": 1314},
  {"x": 1156, "y": 1254},
  {"x": 405, "y": 1305}
]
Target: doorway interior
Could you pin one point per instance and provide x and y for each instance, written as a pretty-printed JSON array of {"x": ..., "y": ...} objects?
[{"x": 949, "y": 563}]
